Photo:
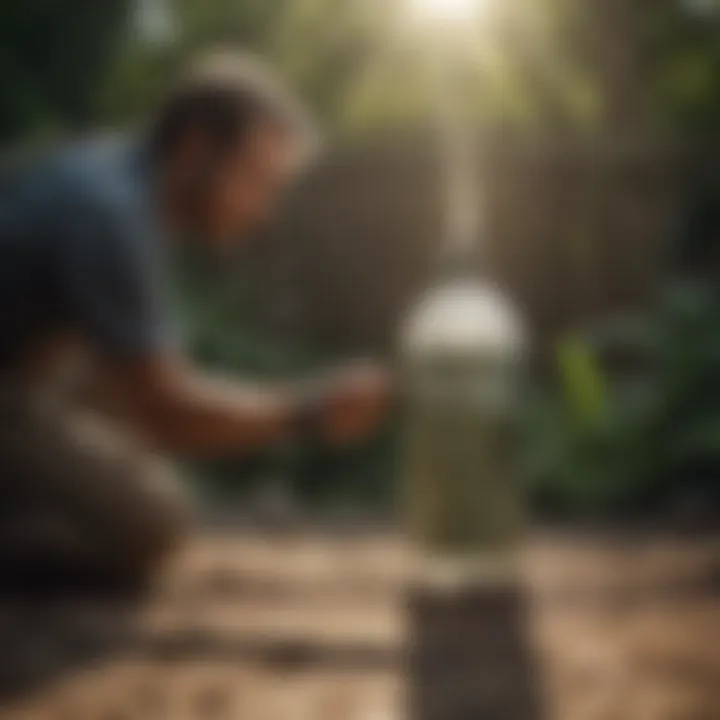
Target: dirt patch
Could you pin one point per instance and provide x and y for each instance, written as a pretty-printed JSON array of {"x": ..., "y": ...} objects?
[{"x": 289, "y": 628}]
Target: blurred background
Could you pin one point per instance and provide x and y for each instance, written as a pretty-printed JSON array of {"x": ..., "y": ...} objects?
[
  {"x": 597, "y": 126},
  {"x": 596, "y": 129}
]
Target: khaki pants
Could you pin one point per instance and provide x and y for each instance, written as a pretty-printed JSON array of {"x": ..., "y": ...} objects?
[{"x": 77, "y": 492}]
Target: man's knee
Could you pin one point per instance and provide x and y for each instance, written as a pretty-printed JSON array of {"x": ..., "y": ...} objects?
[
  {"x": 158, "y": 515},
  {"x": 80, "y": 479}
]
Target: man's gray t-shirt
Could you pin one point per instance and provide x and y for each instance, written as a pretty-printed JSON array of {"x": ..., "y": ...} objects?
[{"x": 81, "y": 249}]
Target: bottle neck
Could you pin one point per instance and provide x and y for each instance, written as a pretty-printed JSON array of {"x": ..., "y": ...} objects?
[{"x": 460, "y": 265}]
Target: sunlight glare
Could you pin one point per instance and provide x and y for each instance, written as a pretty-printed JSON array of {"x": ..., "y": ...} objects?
[{"x": 449, "y": 10}]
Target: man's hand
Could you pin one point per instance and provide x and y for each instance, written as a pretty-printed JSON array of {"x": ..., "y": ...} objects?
[
  {"x": 351, "y": 403},
  {"x": 182, "y": 410}
]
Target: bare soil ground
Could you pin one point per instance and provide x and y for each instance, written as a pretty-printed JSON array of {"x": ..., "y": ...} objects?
[{"x": 311, "y": 627}]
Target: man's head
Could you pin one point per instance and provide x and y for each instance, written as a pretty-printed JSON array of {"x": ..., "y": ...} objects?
[{"x": 227, "y": 141}]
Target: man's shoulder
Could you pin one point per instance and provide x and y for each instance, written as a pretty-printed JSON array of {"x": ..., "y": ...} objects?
[
  {"x": 99, "y": 171},
  {"x": 94, "y": 172}
]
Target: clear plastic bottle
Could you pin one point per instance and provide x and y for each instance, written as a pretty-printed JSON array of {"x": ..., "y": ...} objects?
[{"x": 462, "y": 351}]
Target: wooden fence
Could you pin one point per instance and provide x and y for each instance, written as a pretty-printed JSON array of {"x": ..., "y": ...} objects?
[{"x": 576, "y": 232}]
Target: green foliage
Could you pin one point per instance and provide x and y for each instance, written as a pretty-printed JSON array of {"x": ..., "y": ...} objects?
[
  {"x": 634, "y": 423},
  {"x": 222, "y": 331},
  {"x": 584, "y": 383},
  {"x": 54, "y": 58},
  {"x": 685, "y": 41},
  {"x": 223, "y": 334},
  {"x": 364, "y": 65},
  {"x": 361, "y": 64}
]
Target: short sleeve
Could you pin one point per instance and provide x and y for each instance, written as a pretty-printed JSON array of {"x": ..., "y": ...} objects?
[{"x": 114, "y": 280}]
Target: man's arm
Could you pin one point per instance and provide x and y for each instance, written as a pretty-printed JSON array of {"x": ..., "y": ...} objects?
[
  {"x": 186, "y": 411},
  {"x": 116, "y": 290}
]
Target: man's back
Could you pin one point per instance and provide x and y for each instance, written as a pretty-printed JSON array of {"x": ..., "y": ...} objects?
[{"x": 77, "y": 238}]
